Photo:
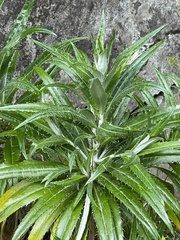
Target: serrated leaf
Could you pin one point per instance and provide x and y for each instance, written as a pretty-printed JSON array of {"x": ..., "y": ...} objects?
[
  {"x": 80, "y": 55},
  {"x": 120, "y": 64},
  {"x": 170, "y": 200},
  {"x": 160, "y": 146},
  {"x": 19, "y": 195},
  {"x": 175, "y": 219},
  {"x": 26, "y": 107},
  {"x": 169, "y": 97},
  {"x": 109, "y": 130},
  {"x": 67, "y": 221},
  {"x": 102, "y": 214},
  {"x": 30, "y": 169},
  {"x": 173, "y": 176},
  {"x": 47, "y": 218},
  {"x": 117, "y": 218},
  {"x": 153, "y": 191},
  {"x": 53, "y": 196},
  {"x": 156, "y": 197},
  {"x": 166, "y": 156},
  {"x": 132, "y": 70},
  {"x": 138, "y": 85},
  {"x": 130, "y": 201},
  {"x": 22, "y": 84},
  {"x": 20, "y": 22}
]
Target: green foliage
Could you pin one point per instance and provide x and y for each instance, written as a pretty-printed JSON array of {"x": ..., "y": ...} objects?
[{"x": 87, "y": 171}]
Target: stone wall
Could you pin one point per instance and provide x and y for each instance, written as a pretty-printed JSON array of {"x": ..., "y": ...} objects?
[{"x": 131, "y": 19}]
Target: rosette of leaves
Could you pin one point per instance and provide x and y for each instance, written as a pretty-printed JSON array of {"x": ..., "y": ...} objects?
[{"x": 86, "y": 170}]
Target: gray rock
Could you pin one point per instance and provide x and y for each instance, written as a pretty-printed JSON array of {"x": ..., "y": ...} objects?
[{"x": 131, "y": 19}]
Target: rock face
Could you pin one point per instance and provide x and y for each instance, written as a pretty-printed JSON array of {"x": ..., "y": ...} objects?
[{"x": 131, "y": 19}]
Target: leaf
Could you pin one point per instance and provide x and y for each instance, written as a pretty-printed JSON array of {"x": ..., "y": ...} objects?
[
  {"x": 67, "y": 221},
  {"x": 175, "y": 219},
  {"x": 30, "y": 169},
  {"x": 154, "y": 116},
  {"x": 11, "y": 151},
  {"x": 170, "y": 200},
  {"x": 74, "y": 180},
  {"x": 55, "y": 50},
  {"x": 58, "y": 96},
  {"x": 144, "y": 143},
  {"x": 155, "y": 197},
  {"x": 26, "y": 107},
  {"x": 116, "y": 217},
  {"x": 160, "y": 146},
  {"x": 22, "y": 84},
  {"x": 166, "y": 156},
  {"x": 176, "y": 168},
  {"x": 169, "y": 97},
  {"x": 102, "y": 167},
  {"x": 149, "y": 99},
  {"x": 40, "y": 61},
  {"x": 102, "y": 63},
  {"x": 36, "y": 29},
  {"x": 20, "y": 22},
  {"x": 133, "y": 233},
  {"x": 80, "y": 55},
  {"x": 98, "y": 44},
  {"x": 171, "y": 175},
  {"x": 1, "y": 3},
  {"x": 132, "y": 70},
  {"x": 47, "y": 218},
  {"x": 51, "y": 141},
  {"x": 102, "y": 214},
  {"x": 112, "y": 131},
  {"x": 52, "y": 198},
  {"x": 130, "y": 201},
  {"x": 98, "y": 94},
  {"x": 161, "y": 125},
  {"x": 66, "y": 113},
  {"x": 19, "y": 195},
  {"x": 84, "y": 218},
  {"x": 146, "y": 187},
  {"x": 120, "y": 63},
  {"x": 137, "y": 85}
]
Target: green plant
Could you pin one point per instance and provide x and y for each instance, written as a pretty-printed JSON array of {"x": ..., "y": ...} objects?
[
  {"x": 12, "y": 145},
  {"x": 86, "y": 169}
]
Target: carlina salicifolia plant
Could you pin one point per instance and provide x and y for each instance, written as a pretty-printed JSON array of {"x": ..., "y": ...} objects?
[{"x": 86, "y": 170}]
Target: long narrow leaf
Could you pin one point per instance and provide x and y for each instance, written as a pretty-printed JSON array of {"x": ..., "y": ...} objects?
[
  {"x": 52, "y": 197},
  {"x": 131, "y": 202},
  {"x": 121, "y": 61},
  {"x": 47, "y": 218},
  {"x": 19, "y": 195},
  {"x": 20, "y": 22},
  {"x": 102, "y": 214},
  {"x": 30, "y": 169},
  {"x": 67, "y": 221}
]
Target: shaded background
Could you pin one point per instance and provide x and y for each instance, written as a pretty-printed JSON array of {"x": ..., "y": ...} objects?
[{"x": 131, "y": 19}]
